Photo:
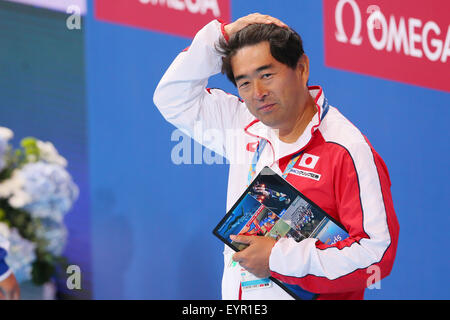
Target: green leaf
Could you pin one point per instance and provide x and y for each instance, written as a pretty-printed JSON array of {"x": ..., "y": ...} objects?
[
  {"x": 31, "y": 149},
  {"x": 41, "y": 272}
]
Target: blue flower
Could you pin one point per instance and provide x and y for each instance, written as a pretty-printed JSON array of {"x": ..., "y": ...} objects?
[
  {"x": 51, "y": 189},
  {"x": 20, "y": 256},
  {"x": 54, "y": 233}
]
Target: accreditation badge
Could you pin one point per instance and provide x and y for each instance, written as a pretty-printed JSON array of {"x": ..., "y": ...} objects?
[{"x": 250, "y": 282}]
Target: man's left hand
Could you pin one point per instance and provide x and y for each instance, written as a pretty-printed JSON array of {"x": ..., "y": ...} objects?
[
  {"x": 9, "y": 288},
  {"x": 255, "y": 258}
]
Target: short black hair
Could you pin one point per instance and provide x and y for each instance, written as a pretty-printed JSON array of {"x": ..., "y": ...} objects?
[{"x": 286, "y": 45}]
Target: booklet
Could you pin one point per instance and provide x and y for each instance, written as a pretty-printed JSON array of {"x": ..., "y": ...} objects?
[{"x": 272, "y": 207}]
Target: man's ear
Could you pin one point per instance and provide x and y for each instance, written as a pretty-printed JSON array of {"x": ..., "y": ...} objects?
[{"x": 303, "y": 69}]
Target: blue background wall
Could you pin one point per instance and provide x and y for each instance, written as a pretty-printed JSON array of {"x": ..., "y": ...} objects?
[{"x": 151, "y": 220}]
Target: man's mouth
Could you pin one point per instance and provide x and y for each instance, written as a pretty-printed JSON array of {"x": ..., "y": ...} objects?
[{"x": 266, "y": 108}]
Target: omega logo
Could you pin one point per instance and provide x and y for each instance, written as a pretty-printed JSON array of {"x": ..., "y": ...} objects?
[
  {"x": 409, "y": 36},
  {"x": 356, "y": 38}
]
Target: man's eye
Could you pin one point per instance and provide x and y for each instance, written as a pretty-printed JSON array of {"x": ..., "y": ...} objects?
[
  {"x": 244, "y": 84},
  {"x": 267, "y": 75}
]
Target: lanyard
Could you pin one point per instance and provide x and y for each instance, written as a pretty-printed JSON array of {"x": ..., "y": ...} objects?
[
  {"x": 261, "y": 145},
  {"x": 248, "y": 280}
]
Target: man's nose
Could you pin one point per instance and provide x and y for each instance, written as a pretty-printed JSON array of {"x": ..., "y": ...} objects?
[{"x": 259, "y": 91}]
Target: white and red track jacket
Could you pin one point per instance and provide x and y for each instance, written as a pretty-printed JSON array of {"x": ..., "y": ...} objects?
[{"x": 353, "y": 184}]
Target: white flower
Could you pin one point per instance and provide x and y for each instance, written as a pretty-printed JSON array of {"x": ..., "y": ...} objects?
[
  {"x": 13, "y": 188},
  {"x": 4, "y": 230},
  {"x": 4, "y": 235},
  {"x": 6, "y": 134},
  {"x": 49, "y": 153}
]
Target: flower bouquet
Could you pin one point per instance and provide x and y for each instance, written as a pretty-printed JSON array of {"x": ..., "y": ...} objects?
[{"x": 36, "y": 191}]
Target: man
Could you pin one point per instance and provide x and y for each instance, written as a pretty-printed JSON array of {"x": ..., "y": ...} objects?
[
  {"x": 9, "y": 288},
  {"x": 281, "y": 116}
]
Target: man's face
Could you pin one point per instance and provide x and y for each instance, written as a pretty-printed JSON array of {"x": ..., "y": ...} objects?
[{"x": 273, "y": 92}]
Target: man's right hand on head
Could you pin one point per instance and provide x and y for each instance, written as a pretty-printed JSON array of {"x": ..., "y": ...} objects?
[{"x": 254, "y": 18}]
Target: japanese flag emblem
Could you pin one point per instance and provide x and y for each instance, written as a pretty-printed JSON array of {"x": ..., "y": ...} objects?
[{"x": 308, "y": 161}]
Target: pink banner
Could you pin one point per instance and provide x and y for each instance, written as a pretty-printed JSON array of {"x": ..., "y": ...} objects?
[
  {"x": 178, "y": 17},
  {"x": 406, "y": 41}
]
